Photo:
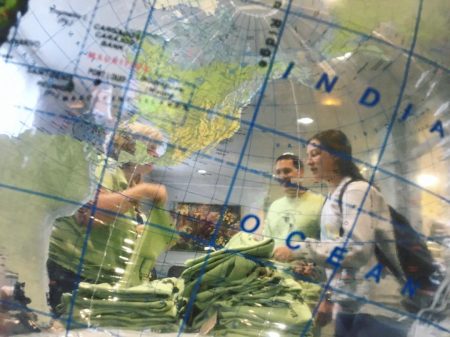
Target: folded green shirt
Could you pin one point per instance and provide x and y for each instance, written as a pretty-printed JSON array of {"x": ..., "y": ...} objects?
[{"x": 248, "y": 298}]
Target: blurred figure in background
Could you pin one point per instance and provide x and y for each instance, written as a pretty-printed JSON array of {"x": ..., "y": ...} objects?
[{"x": 117, "y": 220}]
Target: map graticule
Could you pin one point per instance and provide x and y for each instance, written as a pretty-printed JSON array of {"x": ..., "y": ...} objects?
[
  {"x": 64, "y": 46},
  {"x": 207, "y": 100},
  {"x": 188, "y": 67},
  {"x": 207, "y": 6},
  {"x": 42, "y": 177},
  {"x": 89, "y": 42}
]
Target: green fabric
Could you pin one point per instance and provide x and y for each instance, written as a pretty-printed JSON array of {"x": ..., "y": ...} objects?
[
  {"x": 157, "y": 235},
  {"x": 150, "y": 305},
  {"x": 254, "y": 331},
  {"x": 247, "y": 298},
  {"x": 243, "y": 245},
  {"x": 115, "y": 252},
  {"x": 294, "y": 316},
  {"x": 230, "y": 264},
  {"x": 108, "y": 246},
  {"x": 43, "y": 172},
  {"x": 286, "y": 215},
  {"x": 265, "y": 304},
  {"x": 157, "y": 289},
  {"x": 248, "y": 242}
]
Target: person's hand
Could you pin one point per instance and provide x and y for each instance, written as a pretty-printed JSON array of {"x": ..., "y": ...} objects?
[
  {"x": 325, "y": 313},
  {"x": 157, "y": 193},
  {"x": 139, "y": 229},
  {"x": 303, "y": 268},
  {"x": 283, "y": 254}
]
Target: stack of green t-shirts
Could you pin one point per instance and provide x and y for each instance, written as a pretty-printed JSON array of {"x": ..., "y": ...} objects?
[
  {"x": 151, "y": 305},
  {"x": 239, "y": 296}
]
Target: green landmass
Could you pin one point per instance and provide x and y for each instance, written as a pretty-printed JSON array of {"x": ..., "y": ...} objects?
[
  {"x": 8, "y": 15},
  {"x": 38, "y": 173},
  {"x": 220, "y": 86},
  {"x": 395, "y": 20}
]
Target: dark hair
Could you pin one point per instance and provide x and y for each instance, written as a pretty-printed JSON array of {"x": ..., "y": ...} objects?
[
  {"x": 295, "y": 159},
  {"x": 337, "y": 144}
]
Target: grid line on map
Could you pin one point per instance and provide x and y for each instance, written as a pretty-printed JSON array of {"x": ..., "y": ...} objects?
[
  {"x": 94, "y": 206},
  {"x": 88, "y": 31},
  {"x": 249, "y": 132},
  {"x": 270, "y": 264},
  {"x": 388, "y": 133},
  {"x": 267, "y": 175},
  {"x": 284, "y": 135}
]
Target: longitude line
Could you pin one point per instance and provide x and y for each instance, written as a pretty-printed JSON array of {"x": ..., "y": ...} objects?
[
  {"x": 197, "y": 153},
  {"x": 249, "y": 132},
  {"x": 102, "y": 174},
  {"x": 11, "y": 45},
  {"x": 270, "y": 130},
  {"x": 243, "y": 58},
  {"x": 133, "y": 6},
  {"x": 88, "y": 29},
  {"x": 383, "y": 148}
]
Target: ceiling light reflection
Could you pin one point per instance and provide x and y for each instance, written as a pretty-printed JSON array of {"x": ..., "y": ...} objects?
[
  {"x": 305, "y": 120},
  {"x": 331, "y": 101},
  {"x": 427, "y": 180}
]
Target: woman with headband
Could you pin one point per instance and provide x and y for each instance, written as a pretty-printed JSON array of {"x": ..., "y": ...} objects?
[{"x": 355, "y": 220}]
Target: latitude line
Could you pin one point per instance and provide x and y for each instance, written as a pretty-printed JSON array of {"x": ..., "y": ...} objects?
[
  {"x": 102, "y": 174},
  {"x": 88, "y": 32},
  {"x": 380, "y": 156},
  {"x": 359, "y": 33},
  {"x": 249, "y": 132},
  {"x": 260, "y": 127},
  {"x": 221, "y": 161}
]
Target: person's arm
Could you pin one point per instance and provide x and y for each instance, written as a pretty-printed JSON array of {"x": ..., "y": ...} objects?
[
  {"x": 325, "y": 312},
  {"x": 109, "y": 204},
  {"x": 360, "y": 245},
  {"x": 266, "y": 230}
]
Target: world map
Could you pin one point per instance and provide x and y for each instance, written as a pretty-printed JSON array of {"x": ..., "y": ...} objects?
[{"x": 223, "y": 80}]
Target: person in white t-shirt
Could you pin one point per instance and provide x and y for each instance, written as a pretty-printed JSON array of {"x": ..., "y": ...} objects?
[
  {"x": 297, "y": 211},
  {"x": 361, "y": 287}
]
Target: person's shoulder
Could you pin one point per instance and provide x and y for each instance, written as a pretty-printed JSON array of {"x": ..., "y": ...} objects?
[
  {"x": 357, "y": 185},
  {"x": 315, "y": 197},
  {"x": 277, "y": 202},
  {"x": 361, "y": 187}
]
